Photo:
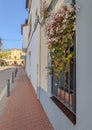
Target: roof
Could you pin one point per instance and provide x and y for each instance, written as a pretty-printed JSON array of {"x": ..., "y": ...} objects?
[
  {"x": 27, "y": 1},
  {"x": 14, "y": 49},
  {"x": 28, "y": 4}
]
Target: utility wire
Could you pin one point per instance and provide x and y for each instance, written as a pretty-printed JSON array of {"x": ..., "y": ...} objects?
[{"x": 11, "y": 40}]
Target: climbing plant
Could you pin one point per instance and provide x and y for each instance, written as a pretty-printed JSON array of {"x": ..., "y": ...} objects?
[{"x": 59, "y": 30}]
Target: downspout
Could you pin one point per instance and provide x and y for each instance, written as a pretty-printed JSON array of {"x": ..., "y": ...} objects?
[{"x": 39, "y": 62}]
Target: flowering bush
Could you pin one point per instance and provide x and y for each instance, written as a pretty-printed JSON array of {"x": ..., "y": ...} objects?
[{"x": 59, "y": 28}]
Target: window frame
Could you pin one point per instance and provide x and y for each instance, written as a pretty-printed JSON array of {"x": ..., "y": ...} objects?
[
  {"x": 70, "y": 113},
  {"x": 62, "y": 102}
]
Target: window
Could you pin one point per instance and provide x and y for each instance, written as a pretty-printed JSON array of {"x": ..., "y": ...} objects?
[
  {"x": 15, "y": 57},
  {"x": 64, "y": 85},
  {"x": 64, "y": 88},
  {"x": 52, "y": 5}
]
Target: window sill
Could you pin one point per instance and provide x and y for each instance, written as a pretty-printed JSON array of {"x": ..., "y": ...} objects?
[{"x": 71, "y": 116}]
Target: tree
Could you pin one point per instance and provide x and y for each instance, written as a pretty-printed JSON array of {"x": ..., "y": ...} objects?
[
  {"x": 4, "y": 54},
  {"x": 1, "y": 43}
]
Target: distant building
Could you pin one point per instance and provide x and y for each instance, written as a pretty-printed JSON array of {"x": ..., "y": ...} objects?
[{"x": 14, "y": 57}]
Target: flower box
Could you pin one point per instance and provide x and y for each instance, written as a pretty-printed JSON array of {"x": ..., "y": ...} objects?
[{"x": 65, "y": 96}]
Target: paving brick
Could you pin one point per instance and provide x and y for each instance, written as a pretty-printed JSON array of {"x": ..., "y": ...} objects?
[{"x": 23, "y": 111}]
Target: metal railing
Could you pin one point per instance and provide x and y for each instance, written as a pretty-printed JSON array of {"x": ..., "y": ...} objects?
[{"x": 64, "y": 88}]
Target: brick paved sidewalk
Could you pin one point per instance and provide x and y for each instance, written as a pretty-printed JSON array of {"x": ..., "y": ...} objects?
[{"x": 23, "y": 111}]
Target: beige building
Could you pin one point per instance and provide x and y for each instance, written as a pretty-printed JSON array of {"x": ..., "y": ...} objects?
[
  {"x": 12, "y": 57},
  {"x": 16, "y": 57}
]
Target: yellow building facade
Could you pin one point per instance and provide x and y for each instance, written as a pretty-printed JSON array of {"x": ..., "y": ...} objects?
[{"x": 16, "y": 57}]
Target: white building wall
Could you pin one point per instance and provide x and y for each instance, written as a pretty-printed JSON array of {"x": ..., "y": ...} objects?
[
  {"x": 83, "y": 72},
  {"x": 34, "y": 6},
  {"x": 32, "y": 59},
  {"x": 28, "y": 64},
  {"x": 84, "y": 65},
  {"x": 25, "y": 36}
]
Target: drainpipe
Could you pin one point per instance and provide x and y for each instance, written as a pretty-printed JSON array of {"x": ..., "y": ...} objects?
[{"x": 39, "y": 64}]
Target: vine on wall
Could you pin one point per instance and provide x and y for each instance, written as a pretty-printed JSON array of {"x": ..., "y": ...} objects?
[{"x": 59, "y": 29}]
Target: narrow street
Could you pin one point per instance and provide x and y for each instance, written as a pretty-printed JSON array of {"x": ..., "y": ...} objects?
[
  {"x": 5, "y": 74},
  {"x": 23, "y": 111}
]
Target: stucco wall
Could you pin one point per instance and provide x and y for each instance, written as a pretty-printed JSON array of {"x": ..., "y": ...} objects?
[
  {"x": 84, "y": 65},
  {"x": 83, "y": 72},
  {"x": 43, "y": 60},
  {"x": 25, "y": 36},
  {"x": 32, "y": 59}
]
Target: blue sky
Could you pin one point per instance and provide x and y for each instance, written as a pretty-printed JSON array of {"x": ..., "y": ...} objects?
[{"x": 12, "y": 15}]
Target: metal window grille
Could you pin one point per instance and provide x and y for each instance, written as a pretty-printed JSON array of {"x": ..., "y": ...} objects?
[{"x": 64, "y": 85}]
